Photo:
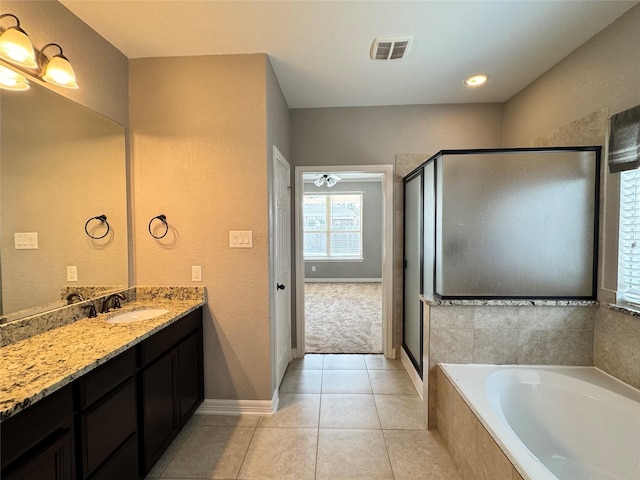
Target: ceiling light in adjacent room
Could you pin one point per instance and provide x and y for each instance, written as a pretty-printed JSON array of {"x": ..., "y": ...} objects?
[
  {"x": 476, "y": 80},
  {"x": 330, "y": 180},
  {"x": 15, "y": 46}
]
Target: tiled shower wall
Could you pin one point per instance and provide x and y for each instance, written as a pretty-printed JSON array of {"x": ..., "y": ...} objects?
[
  {"x": 525, "y": 335},
  {"x": 617, "y": 345}
]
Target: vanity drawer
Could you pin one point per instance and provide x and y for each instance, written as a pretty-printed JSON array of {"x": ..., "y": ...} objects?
[
  {"x": 163, "y": 341},
  {"x": 107, "y": 425},
  {"x": 106, "y": 377},
  {"x": 22, "y": 434}
]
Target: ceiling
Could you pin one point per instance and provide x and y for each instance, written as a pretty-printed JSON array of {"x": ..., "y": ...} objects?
[{"x": 320, "y": 49}]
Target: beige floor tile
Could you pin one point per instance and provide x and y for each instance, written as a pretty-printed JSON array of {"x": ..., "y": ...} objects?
[
  {"x": 344, "y": 454},
  {"x": 345, "y": 381},
  {"x": 344, "y": 362},
  {"x": 281, "y": 454},
  {"x": 295, "y": 411},
  {"x": 400, "y": 412},
  {"x": 202, "y": 420},
  {"x": 302, "y": 381},
  {"x": 210, "y": 452},
  {"x": 310, "y": 361},
  {"x": 348, "y": 411},
  {"x": 419, "y": 454},
  {"x": 170, "y": 452},
  {"x": 379, "y": 362},
  {"x": 391, "y": 382}
]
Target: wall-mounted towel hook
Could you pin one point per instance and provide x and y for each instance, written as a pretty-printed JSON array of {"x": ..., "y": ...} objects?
[
  {"x": 101, "y": 218},
  {"x": 163, "y": 219}
]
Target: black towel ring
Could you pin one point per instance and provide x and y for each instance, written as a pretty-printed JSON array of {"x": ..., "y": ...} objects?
[
  {"x": 163, "y": 219},
  {"x": 103, "y": 219}
]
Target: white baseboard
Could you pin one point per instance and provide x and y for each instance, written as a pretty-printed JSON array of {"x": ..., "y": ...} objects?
[
  {"x": 342, "y": 280},
  {"x": 239, "y": 407},
  {"x": 411, "y": 370}
]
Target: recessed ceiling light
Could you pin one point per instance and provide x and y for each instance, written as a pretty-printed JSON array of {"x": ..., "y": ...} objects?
[{"x": 476, "y": 80}]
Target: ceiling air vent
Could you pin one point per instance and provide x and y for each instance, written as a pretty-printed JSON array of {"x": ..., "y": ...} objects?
[{"x": 390, "y": 48}]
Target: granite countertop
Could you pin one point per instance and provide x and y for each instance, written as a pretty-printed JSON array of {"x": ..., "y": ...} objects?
[
  {"x": 37, "y": 366},
  {"x": 515, "y": 302}
]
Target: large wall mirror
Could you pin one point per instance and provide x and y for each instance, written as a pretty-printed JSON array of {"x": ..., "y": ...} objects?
[{"x": 60, "y": 165}]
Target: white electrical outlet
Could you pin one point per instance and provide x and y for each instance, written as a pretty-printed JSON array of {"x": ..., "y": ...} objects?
[
  {"x": 196, "y": 273},
  {"x": 313, "y": 268},
  {"x": 72, "y": 274}
]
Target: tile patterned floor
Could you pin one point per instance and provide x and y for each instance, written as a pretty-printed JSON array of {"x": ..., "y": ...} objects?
[{"x": 340, "y": 417}]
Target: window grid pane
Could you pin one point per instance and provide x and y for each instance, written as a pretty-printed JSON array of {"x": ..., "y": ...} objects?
[{"x": 332, "y": 225}]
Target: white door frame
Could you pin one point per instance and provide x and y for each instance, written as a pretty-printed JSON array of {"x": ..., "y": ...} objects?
[{"x": 387, "y": 249}]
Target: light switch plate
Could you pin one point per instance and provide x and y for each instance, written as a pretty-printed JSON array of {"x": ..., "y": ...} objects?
[
  {"x": 26, "y": 241},
  {"x": 241, "y": 239}
]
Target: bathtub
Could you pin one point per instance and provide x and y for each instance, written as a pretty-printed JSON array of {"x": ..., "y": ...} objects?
[{"x": 566, "y": 423}]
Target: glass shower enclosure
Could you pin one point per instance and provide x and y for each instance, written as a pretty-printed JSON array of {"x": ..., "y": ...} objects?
[{"x": 499, "y": 224}]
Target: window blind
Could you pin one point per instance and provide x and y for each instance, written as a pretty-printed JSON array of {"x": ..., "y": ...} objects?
[{"x": 629, "y": 238}]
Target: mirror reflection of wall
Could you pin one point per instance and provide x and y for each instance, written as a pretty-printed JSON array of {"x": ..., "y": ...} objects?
[{"x": 60, "y": 164}]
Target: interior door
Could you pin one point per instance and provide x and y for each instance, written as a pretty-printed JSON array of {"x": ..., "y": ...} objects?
[{"x": 282, "y": 261}]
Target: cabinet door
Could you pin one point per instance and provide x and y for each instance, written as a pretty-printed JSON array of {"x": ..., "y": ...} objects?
[
  {"x": 159, "y": 405},
  {"x": 107, "y": 425},
  {"x": 190, "y": 376},
  {"x": 53, "y": 461}
]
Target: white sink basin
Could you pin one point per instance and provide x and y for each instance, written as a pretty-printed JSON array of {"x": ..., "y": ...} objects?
[{"x": 137, "y": 315}]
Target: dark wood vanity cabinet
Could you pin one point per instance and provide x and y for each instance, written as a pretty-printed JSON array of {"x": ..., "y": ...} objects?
[
  {"x": 117, "y": 420},
  {"x": 108, "y": 420},
  {"x": 171, "y": 384},
  {"x": 38, "y": 443}
]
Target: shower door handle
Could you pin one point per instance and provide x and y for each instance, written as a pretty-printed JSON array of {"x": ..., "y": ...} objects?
[{"x": 280, "y": 286}]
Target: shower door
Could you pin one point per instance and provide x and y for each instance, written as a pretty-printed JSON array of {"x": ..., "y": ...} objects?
[{"x": 413, "y": 267}]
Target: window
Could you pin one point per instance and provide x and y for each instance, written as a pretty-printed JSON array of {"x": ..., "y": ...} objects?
[
  {"x": 629, "y": 238},
  {"x": 333, "y": 226}
]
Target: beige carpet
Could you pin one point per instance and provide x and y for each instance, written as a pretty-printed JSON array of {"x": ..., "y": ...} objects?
[{"x": 343, "y": 317}]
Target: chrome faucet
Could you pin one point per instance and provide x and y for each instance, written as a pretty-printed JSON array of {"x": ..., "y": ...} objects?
[
  {"x": 74, "y": 296},
  {"x": 115, "y": 297}
]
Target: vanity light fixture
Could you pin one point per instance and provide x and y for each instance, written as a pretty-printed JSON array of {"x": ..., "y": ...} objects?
[
  {"x": 17, "y": 49},
  {"x": 10, "y": 80},
  {"x": 476, "y": 80},
  {"x": 15, "y": 46},
  {"x": 330, "y": 180},
  {"x": 57, "y": 69}
]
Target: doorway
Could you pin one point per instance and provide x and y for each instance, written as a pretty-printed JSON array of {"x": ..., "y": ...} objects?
[{"x": 336, "y": 270}]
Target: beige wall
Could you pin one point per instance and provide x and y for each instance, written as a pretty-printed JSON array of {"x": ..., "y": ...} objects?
[
  {"x": 199, "y": 143},
  {"x": 604, "y": 72},
  {"x": 101, "y": 69},
  {"x": 374, "y": 135}
]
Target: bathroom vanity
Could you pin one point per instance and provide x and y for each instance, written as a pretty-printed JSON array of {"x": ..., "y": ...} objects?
[{"x": 94, "y": 400}]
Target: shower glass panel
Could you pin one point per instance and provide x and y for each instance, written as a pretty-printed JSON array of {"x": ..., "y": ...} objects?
[
  {"x": 429, "y": 248},
  {"x": 413, "y": 274},
  {"x": 517, "y": 223}
]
